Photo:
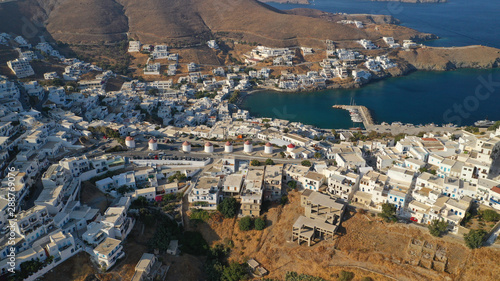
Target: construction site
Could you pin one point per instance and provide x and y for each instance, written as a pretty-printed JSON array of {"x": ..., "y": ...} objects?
[{"x": 321, "y": 220}]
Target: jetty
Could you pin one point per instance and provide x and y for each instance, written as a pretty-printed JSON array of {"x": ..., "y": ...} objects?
[{"x": 359, "y": 114}]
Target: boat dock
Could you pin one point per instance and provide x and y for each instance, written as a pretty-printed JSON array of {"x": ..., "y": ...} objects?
[{"x": 359, "y": 114}]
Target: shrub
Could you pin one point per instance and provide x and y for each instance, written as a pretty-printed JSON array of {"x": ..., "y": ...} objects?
[
  {"x": 198, "y": 214},
  {"x": 246, "y": 223},
  {"x": 490, "y": 215},
  {"x": 235, "y": 272},
  {"x": 474, "y": 239},
  {"x": 260, "y": 224},
  {"x": 255, "y": 163},
  {"x": 346, "y": 276},
  {"x": 306, "y": 163},
  {"x": 294, "y": 276}
]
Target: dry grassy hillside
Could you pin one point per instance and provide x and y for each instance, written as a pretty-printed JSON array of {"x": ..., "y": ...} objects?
[
  {"x": 88, "y": 20},
  {"x": 452, "y": 58},
  {"x": 255, "y": 21},
  {"x": 184, "y": 21},
  {"x": 165, "y": 20},
  {"x": 368, "y": 247}
]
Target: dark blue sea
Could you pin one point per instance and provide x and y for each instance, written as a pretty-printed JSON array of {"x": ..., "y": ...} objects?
[
  {"x": 460, "y": 97},
  {"x": 456, "y": 22}
]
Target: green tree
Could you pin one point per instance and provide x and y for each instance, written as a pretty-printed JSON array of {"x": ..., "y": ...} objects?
[
  {"x": 235, "y": 272},
  {"x": 284, "y": 200},
  {"x": 494, "y": 126},
  {"x": 346, "y": 276},
  {"x": 471, "y": 129},
  {"x": 306, "y": 163},
  {"x": 168, "y": 197},
  {"x": 269, "y": 161},
  {"x": 140, "y": 202},
  {"x": 438, "y": 227},
  {"x": 399, "y": 137},
  {"x": 490, "y": 215},
  {"x": 292, "y": 184},
  {"x": 282, "y": 154},
  {"x": 388, "y": 212},
  {"x": 474, "y": 239},
  {"x": 317, "y": 155},
  {"x": 123, "y": 189},
  {"x": 193, "y": 243},
  {"x": 234, "y": 97},
  {"x": 255, "y": 163},
  {"x": 177, "y": 176},
  {"x": 245, "y": 223},
  {"x": 228, "y": 207},
  {"x": 260, "y": 224}
]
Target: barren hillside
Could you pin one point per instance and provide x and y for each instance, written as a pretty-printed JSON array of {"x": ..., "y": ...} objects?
[
  {"x": 452, "y": 58},
  {"x": 183, "y": 21}
]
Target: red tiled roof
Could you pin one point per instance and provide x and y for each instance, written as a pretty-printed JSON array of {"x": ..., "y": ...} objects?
[{"x": 496, "y": 189}]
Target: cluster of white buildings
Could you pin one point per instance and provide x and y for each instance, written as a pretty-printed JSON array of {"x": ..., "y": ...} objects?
[
  {"x": 260, "y": 53},
  {"x": 367, "y": 44},
  {"x": 357, "y": 23},
  {"x": 379, "y": 63},
  {"x": 435, "y": 176},
  {"x": 230, "y": 177},
  {"x": 21, "y": 66},
  {"x": 391, "y": 42}
]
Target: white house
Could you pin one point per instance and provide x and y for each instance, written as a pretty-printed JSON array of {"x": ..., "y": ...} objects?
[
  {"x": 205, "y": 194},
  {"x": 108, "y": 252}
]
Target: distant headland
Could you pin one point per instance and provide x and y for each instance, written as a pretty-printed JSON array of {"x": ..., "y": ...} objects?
[{"x": 306, "y": 2}]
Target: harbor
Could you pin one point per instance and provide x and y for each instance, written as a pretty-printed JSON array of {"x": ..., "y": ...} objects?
[{"x": 358, "y": 113}]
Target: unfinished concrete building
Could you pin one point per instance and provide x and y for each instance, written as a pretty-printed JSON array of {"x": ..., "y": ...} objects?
[
  {"x": 251, "y": 196},
  {"x": 322, "y": 217}
]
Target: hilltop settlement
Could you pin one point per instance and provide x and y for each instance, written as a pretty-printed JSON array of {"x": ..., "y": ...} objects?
[{"x": 186, "y": 141}]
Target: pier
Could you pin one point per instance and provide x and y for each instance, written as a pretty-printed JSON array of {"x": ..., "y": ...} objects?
[{"x": 364, "y": 113}]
